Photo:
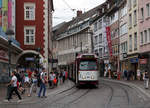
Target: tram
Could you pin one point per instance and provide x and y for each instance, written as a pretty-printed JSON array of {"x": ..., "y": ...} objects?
[{"x": 86, "y": 69}]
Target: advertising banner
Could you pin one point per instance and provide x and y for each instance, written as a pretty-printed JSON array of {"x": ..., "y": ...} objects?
[
  {"x": 143, "y": 61},
  {"x": 108, "y": 34}
]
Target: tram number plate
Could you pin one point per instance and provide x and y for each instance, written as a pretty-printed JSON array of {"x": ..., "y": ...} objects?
[{"x": 88, "y": 76}]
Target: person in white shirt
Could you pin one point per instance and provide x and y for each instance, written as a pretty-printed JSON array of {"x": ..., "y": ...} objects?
[
  {"x": 13, "y": 84},
  {"x": 42, "y": 85}
]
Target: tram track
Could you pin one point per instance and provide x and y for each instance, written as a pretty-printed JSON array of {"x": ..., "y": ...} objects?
[
  {"x": 108, "y": 104},
  {"x": 110, "y": 96}
]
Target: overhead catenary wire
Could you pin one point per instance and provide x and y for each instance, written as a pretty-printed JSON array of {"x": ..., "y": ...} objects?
[{"x": 68, "y": 5}]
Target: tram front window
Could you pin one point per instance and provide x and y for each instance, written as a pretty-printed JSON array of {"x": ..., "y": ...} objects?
[{"x": 88, "y": 65}]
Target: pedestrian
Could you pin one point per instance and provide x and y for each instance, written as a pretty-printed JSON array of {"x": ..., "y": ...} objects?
[
  {"x": 146, "y": 79},
  {"x": 138, "y": 74},
  {"x": 42, "y": 85},
  {"x": 13, "y": 84},
  {"x": 128, "y": 75},
  {"x": 51, "y": 78},
  {"x": 125, "y": 74},
  {"x": 34, "y": 83},
  {"x": 26, "y": 81},
  {"x": 64, "y": 76},
  {"x": 22, "y": 77},
  {"x": 61, "y": 77}
]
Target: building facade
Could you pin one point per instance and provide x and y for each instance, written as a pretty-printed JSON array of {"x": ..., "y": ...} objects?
[
  {"x": 9, "y": 47},
  {"x": 33, "y": 31},
  {"x": 123, "y": 35},
  {"x": 99, "y": 37},
  {"x": 75, "y": 37},
  {"x": 133, "y": 36},
  {"x": 144, "y": 34}
]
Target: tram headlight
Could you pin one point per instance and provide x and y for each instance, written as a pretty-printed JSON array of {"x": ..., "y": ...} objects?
[
  {"x": 83, "y": 77},
  {"x": 92, "y": 77}
]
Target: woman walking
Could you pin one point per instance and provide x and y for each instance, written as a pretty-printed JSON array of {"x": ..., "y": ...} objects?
[
  {"x": 34, "y": 82},
  {"x": 146, "y": 79}
]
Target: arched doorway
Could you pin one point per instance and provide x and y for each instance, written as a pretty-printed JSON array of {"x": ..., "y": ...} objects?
[{"x": 29, "y": 60}]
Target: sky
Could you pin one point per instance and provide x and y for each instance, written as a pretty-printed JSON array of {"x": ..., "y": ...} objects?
[{"x": 65, "y": 10}]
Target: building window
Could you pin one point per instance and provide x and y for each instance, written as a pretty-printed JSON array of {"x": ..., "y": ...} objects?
[
  {"x": 126, "y": 47},
  {"x": 100, "y": 38},
  {"x": 123, "y": 11},
  {"x": 134, "y": 3},
  {"x": 130, "y": 43},
  {"x": 130, "y": 21},
  {"x": 100, "y": 52},
  {"x": 135, "y": 41},
  {"x": 95, "y": 26},
  {"x": 130, "y": 4},
  {"x": 29, "y": 11},
  {"x": 145, "y": 36},
  {"x": 135, "y": 17},
  {"x": 29, "y": 35},
  {"x": 142, "y": 14},
  {"x": 142, "y": 38},
  {"x": 123, "y": 29},
  {"x": 96, "y": 40},
  {"x": 148, "y": 9},
  {"x": 149, "y": 34},
  {"x": 100, "y": 24}
]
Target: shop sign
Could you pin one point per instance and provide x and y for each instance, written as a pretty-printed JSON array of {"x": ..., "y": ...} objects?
[
  {"x": 29, "y": 59},
  {"x": 125, "y": 55},
  {"x": 143, "y": 61},
  {"x": 3, "y": 55},
  {"x": 134, "y": 60}
]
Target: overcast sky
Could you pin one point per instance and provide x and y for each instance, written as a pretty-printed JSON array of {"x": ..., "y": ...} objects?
[{"x": 65, "y": 10}]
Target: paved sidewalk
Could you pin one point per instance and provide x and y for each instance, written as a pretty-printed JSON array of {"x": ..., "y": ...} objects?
[
  {"x": 33, "y": 98},
  {"x": 135, "y": 84}
]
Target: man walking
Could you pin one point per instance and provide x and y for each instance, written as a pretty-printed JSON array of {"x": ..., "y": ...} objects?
[
  {"x": 13, "y": 84},
  {"x": 42, "y": 85}
]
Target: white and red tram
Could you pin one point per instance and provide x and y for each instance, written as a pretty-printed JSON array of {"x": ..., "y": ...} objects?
[{"x": 86, "y": 69}]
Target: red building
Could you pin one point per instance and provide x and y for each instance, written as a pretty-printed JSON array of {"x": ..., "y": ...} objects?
[{"x": 33, "y": 31}]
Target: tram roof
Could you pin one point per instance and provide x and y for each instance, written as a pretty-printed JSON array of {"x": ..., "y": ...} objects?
[{"x": 91, "y": 55}]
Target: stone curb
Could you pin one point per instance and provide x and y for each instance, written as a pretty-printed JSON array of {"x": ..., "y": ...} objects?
[{"x": 147, "y": 95}]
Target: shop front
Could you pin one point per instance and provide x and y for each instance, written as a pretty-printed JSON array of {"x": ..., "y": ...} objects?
[
  {"x": 133, "y": 65},
  {"x": 144, "y": 61},
  {"x": 5, "y": 48}
]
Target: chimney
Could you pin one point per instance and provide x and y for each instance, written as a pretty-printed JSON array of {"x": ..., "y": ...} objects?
[{"x": 79, "y": 13}]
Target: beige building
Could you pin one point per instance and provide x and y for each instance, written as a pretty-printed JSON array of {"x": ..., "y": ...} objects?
[
  {"x": 133, "y": 36},
  {"x": 73, "y": 37}
]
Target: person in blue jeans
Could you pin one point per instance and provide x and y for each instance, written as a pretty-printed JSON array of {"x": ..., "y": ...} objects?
[{"x": 42, "y": 85}]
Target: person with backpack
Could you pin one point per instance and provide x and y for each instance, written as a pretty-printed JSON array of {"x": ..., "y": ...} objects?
[
  {"x": 13, "y": 85},
  {"x": 42, "y": 84}
]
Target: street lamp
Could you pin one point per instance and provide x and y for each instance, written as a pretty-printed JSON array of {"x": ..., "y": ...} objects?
[
  {"x": 9, "y": 33},
  {"x": 38, "y": 58}
]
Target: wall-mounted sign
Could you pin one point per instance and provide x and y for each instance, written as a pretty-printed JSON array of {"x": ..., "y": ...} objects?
[
  {"x": 134, "y": 60},
  {"x": 125, "y": 55},
  {"x": 143, "y": 61},
  {"x": 29, "y": 58}
]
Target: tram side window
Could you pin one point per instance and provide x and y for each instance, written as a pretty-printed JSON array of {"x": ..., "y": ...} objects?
[{"x": 88, "y": 65}]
